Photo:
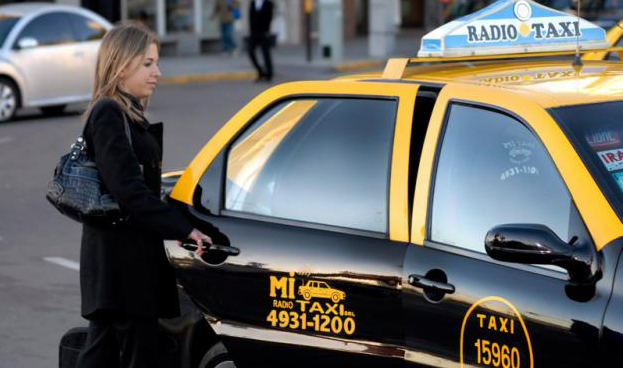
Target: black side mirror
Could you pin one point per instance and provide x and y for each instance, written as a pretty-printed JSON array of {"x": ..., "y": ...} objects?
[{"x": 537, "y": 244}]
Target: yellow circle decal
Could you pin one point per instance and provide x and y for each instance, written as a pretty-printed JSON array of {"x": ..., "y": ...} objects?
[{"x": 493, "y": 334}]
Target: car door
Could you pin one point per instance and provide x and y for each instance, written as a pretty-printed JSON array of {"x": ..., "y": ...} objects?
[
  {"x": 54, "y": 70},
  {"x": 309, "y": 184},
  {"x": 485, "y": 165}
]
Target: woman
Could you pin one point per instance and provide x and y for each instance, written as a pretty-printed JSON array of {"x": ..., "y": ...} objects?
[{"x": 125, "y": 279}]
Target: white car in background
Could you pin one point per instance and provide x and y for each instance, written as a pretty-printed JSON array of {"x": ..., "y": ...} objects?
[{"x": 47, "y": 56}]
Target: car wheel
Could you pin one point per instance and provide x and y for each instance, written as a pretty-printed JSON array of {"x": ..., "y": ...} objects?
[
  {"x": 53, "y": 110},
  {"x": 335, "y": 297},
  {"x": 306, "y": 295},
  {"x": 8, "y": 99},
  {"x": 217, "y": 357}
]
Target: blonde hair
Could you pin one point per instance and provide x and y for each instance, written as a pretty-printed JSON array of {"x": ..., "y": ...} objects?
[{"x": 119, "y": 47}]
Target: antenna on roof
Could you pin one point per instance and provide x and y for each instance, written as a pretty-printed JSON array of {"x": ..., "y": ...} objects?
[{"x": 577, "y": 60}]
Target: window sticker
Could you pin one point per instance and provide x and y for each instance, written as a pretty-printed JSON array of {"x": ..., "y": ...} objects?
[
  {"x": 309, "y": 305},
  {"x": 618, "y": 176},
  {"x": 494, "y": 334},
  {"x": 603, "y": 140},
  {"x": 612, "y": 159},
  {"x": 519, "y": 154}
]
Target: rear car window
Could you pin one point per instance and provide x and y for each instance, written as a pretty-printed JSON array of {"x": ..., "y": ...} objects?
[
  {"x": 321, "y": 161},
  {"x": 596, "y": 131}
]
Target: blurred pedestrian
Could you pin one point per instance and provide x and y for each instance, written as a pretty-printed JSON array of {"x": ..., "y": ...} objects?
[
  {"x": 260, "y": 17},
  {"x": 126, "y": 281},
  {"x": 227, "y": 11}
]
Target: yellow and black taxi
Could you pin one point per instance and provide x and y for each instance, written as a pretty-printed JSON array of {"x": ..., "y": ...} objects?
[{"x": 460, "y": 209}]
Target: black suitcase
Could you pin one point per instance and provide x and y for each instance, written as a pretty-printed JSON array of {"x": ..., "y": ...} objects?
[{"x": 71, "y": 343}]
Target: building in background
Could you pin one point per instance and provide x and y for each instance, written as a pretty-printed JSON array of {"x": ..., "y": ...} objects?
[{"x": 186, "y": 26}]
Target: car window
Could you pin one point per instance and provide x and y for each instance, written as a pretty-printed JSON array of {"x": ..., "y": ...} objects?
[
  {"x": 322, "y": 161},
  {"x": 491, "y": 171},
  {"x": 49, "y": 29},
  {"x": 86, "y": 29},
  {"x": 6, "y": 24},
  {"x": 614, "y": 55}
]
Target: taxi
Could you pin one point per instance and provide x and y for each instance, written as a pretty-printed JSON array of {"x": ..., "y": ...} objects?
[{"x": 468, "y": 203}]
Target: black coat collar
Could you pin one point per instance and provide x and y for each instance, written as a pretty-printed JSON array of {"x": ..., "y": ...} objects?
[{"x": 138, "y": 106}]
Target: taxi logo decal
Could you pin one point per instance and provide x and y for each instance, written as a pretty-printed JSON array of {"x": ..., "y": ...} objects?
[
  {"x": 603, "y": 140},
  {"x": 612, "y": 159},
  {"x": 519, "y": 153},
  {"x": 320, "y": 289},
  {"x": 316, "y": 306},
  {"x": 494, "y": 334}
]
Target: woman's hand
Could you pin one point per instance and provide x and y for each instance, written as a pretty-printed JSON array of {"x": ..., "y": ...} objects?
[{"x": 199, "y": 238}]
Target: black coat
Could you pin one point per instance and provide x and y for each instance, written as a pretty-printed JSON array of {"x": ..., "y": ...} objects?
[
  {"x": 123, "y": 268},
  {"x": 259, "y": 21}
]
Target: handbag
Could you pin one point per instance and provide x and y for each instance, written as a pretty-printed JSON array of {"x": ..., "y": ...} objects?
[{"x": 76, "y": 189}]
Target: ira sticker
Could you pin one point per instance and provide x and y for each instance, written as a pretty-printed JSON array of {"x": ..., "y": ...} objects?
[
  {"x": 603, "y": 140},
  {"x": 618, "y": 177},
  {"x": 612, "y": 159}
]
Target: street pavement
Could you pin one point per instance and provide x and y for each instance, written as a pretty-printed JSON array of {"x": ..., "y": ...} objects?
[{"x": 39, "y": 248}]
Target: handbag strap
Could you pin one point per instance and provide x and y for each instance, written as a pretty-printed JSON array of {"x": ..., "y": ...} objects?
[
  {"x": 81, "y": 141},
  {"x": 127, "y": 129}
]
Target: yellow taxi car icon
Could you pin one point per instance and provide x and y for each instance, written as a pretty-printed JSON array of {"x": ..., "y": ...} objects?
[{"x": 320, "y": 289}]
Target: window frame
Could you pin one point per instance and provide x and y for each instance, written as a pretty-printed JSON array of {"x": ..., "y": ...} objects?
[
  {"x": 188, "y": 188},
  {"x": 300, "y": 223},
  {"x": 466, "y": 252}
]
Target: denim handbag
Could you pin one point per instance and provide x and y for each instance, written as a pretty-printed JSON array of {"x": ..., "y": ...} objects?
[{"x": 77, "y": 191}]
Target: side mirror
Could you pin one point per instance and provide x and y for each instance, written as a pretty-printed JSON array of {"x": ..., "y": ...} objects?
[
  {"x": 27, "y": 43},
  {"x": 537, "y": 244}
]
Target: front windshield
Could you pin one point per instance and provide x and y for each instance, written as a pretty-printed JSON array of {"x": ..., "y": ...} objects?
[
  {"x": 596, "y": 131},
  {"x": 6, "y": 23}
]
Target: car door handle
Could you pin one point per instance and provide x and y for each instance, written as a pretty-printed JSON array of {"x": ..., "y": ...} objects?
[
  {"x": 424, "y": 283},
  {"x": 214, "y": 248}
]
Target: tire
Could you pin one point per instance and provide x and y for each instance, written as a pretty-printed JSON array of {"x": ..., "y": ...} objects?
[
  {"x": 9, "y": 97},
  {"x": 307, "y": 295},
  {"x": 335, "y": 297},
  {"x": 53, "y": 110},
  {"x": 217, "y": 357}
]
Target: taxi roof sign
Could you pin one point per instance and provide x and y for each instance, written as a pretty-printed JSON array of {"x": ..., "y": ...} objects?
[{"x": 510, "y": 27}]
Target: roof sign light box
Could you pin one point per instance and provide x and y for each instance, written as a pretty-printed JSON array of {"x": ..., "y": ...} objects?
[{"x": 510, "y": 27}]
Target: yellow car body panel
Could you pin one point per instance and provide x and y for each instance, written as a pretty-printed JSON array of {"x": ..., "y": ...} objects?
[
  {"x": 398, "y": 195},
  {"x": 599, "y": 216},
  {"x": 525, "y": 88},
  {"x": 553, "y": 83},
  {"x": 612, "y": 36}
]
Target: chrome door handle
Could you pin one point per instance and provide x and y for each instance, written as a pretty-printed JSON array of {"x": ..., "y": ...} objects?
[
  {"x": 424, "y": 283},
  {"x": 214, "y": 248}
]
